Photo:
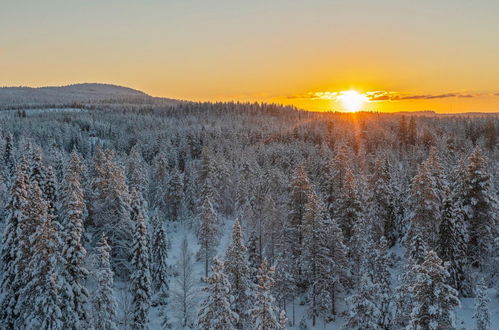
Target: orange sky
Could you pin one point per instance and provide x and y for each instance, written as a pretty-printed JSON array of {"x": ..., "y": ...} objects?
[{"x": 426, "y": 54}]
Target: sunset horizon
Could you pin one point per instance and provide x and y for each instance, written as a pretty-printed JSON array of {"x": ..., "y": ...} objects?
[{"x": 401, "y": 56}]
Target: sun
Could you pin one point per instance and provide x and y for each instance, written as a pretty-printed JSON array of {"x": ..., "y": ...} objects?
[{"x": 352, "y": 101}]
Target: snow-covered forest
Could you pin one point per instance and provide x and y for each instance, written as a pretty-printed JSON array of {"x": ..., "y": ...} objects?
[{"x": 247, "y": 216}]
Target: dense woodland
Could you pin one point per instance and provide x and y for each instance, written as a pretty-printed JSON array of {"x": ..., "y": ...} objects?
[{"x": 381, "y": 221}]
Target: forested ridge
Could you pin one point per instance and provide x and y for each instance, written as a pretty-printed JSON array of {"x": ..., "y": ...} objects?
[{"x": 246, "y": 216}]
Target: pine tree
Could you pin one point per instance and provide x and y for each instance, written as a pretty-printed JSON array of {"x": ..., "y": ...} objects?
[
  {"x": 434, "y": 300},
  {"x": 254, "y": 260},
  {"x": 425, "y": 206},
  {"x": 481, "y": 209},
  {"x": 11, "y": 261},
  {"x": 363, "y": 312},
  {"x": 174, "y": 195},
  {"x": 316, "y": 259},
  {"x": 300, "y": 191},
  {"x": 216, "y": 312},
  {"x": 452, "y": 247},
  {"x": 378, "y": 272},
  {"x": 74, "y": 295},
  {"x": 349, "y": 208},
  {"x": 207, "y": 233},
  {"x": 184, "y": 289},
  {"x": 264, "y": 314},
  {"x": 39, "y": 304},
  {"x": 382, "y": 201},
  {"x": 238, "y": 274},
  {"x": 141, "y": 278},
  {"x": 482, "y": 315},
  {"x": 104, "y": 302},
  {"x": 159, "y": 267}
]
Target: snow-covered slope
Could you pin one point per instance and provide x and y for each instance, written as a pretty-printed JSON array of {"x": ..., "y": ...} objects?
[{"x": 77, "y": 93}]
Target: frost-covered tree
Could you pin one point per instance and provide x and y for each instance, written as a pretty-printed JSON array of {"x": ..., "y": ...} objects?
[
  {"x": 238, "y": 274},
  {"x": 174, "y": 195},
  {"x": 434, "y": 299},
  {"x": 264, "y": 315},
  {"x": 363, "y": 312},
  {"x": 184, "y": 288},
  {"x": 74, "y": 295},
  {"x": 317, "y": 258},
  {"x": 482, "y": 314},
  {"x": 481, "y": 209},
  {"x": 159, "y": 266},
  {"x": 424, "y": 215},
  {"x": 10, "y": 250},
  {"x": 141, "y": 277},
  {"x": 382, "y": 200},
  {"x": 349, "y": 210},
  {"x": 216, "y": 311},
  {"x": 300, "y": 191},
  {"x": 39, "y": 305},
  {"x": 452, "y": 247},
  {"x": 104, "y": 303},
  {"x": 207, "y": 233}
]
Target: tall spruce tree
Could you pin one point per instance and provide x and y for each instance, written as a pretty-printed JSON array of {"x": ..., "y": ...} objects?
[
  {"x": 238, "y": 274},
  {"x": 10, "y": 249},
  {"x": 434, "y": 299},
  {"x": 481, "y": 209},
  {"x": 38, "y": 305},
  {"x": 216, "y": 311},
  {"x": 141, "y": 278},
  {"x": 159, "y": 266},
  {"x": 452, "y": 248},
  {"x": 207, "y": 233},
  {"x": 74, "y": 295},
  {"x": 104, "y": 303},
  {"x": 265, "y": 314}
]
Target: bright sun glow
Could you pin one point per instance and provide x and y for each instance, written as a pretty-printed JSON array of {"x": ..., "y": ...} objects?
[{"x": 352, "y": 101}]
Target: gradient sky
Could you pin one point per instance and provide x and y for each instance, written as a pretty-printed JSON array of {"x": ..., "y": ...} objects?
[{"x": 425, "y": 55}]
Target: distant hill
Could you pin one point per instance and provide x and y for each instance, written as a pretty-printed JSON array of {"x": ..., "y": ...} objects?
[{"x": 88, "y": 93}]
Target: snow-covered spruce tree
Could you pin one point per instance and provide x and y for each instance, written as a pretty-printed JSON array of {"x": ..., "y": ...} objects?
[
  {"x": 363, "y": 312},
  {"x": 216, "y": 311},
  {"x": 174, "y": 195},
  {"x": 74, "y": 295},
  {"x": 316, "y": 258},
  {"x": 39, "y": 305},
  {"x": 382, "y": 200},
  {"x": 104, "y": 303},
  {"x": 237, "y": 272},
  {"x": 299, "y": 192},
  {"x": 109, "y": 209},
  {"x": 349, "y": 207},
  {"x": 159, "y": 266},
  {"x": 11, "y": 262},
  {"x": 424, "y": 215},
  {"x": 334, "y": 176},
  {"x": 284, "y": 288},
  {"x": 264, "y": 315},
  {"x": 137, "y": 170},
  {"x": 184, "y": 288},
  {"x": 481, "y": 209},
  {"x": 254, "y": 260},
  {"x": 141, "y": 278},
  {"x": 37, "y": 170},
  {"x": 452, "y": 248},
  {"x": 434, "y": 299},
  {"x": 340, "y": 269},
  {"x": 482, "y": 314},
  {"x": 377, "y": 268},
  {"x": 207, "y": 233}
]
